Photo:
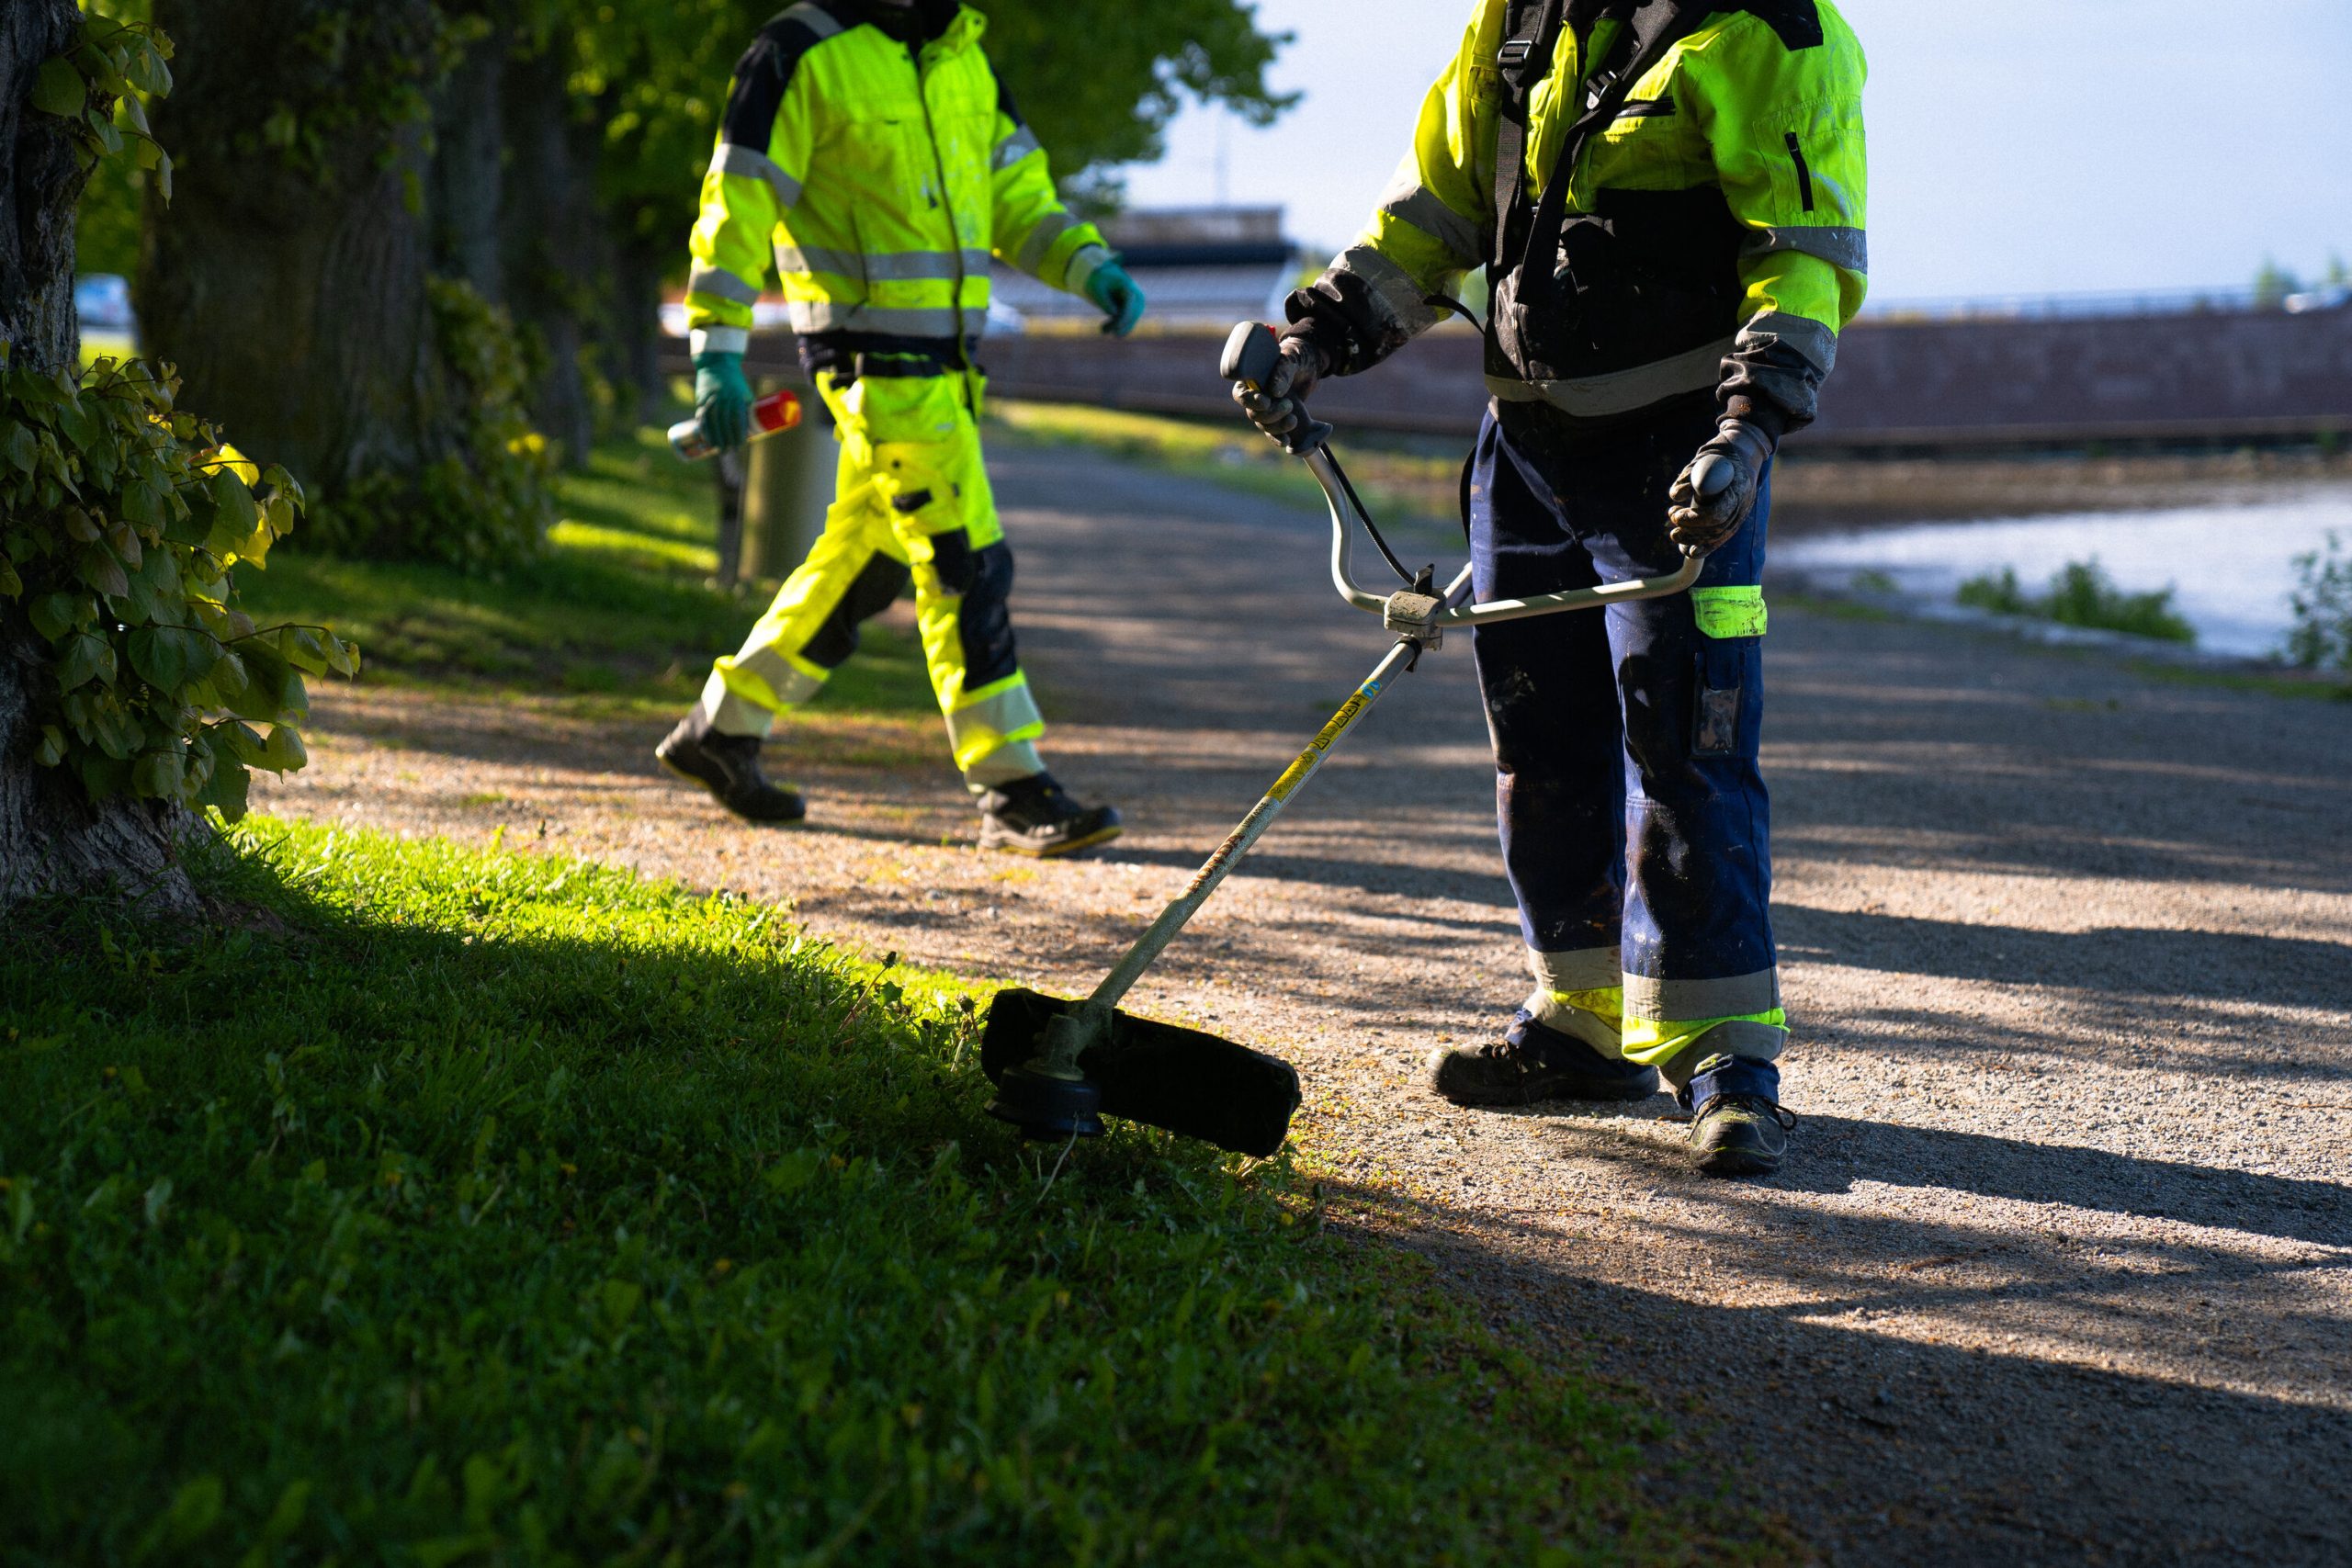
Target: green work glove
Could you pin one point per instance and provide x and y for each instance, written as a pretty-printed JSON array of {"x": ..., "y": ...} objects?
[
  {"x": 1114, "y": 294},
  {"x": 722, "y": 398}
]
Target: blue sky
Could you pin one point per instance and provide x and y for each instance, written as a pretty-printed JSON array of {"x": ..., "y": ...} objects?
[{"x": 2016, "y": 147}]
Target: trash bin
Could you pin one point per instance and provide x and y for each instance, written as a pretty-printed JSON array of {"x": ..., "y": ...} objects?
[{"x": 787, "y": 492}]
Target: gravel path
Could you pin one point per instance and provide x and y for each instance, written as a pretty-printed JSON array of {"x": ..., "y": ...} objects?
[{"x": 2061, "y": 1269}]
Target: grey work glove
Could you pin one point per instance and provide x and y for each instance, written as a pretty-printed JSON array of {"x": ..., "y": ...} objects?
[
  {"x": 1278, "y": 405},
  {"x": 1717, "y": 491}
]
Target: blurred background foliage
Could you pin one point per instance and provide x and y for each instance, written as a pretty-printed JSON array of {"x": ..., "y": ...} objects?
[{"x": 545, "y": 155}]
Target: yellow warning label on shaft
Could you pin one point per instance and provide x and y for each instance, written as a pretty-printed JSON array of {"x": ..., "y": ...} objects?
[{"x": 1295, "y": 775}]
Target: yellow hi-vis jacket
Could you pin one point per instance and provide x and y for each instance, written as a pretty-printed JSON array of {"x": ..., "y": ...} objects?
[
  {"x": 884, "y": 177},
  {"x": 1715, "y": 236}
]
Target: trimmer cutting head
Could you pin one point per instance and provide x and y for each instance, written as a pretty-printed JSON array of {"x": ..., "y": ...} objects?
[{"x": 1163, "y": 1074}]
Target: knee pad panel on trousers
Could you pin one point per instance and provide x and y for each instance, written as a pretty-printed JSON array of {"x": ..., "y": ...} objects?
[
  {"x": 984, "y": 620},
  {"x": 880, "y": 581}
]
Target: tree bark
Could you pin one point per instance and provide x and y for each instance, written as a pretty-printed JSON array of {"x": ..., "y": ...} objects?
[
  {"x": 53, "y": 839},
  {"x": 558, "y": 256},
  {"x": 291, "y": 290}
]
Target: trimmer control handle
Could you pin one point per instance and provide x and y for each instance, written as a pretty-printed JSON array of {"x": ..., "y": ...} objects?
[{"x": 1251, "y": 353}]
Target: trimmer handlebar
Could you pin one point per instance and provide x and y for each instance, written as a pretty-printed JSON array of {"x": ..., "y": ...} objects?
[{"x": 1250, "y": 355}]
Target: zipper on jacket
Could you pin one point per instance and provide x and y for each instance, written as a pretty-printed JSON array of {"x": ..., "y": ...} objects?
[
  {"x": 1805, "y": 170},
  {"x": 939, "y": 167}
]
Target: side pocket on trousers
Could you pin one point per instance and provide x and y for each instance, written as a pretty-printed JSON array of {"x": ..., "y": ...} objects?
[{"x": 1715, "y": 697}]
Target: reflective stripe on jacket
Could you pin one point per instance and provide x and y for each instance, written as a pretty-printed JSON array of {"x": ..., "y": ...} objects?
[
  {"x": 1740, "y": 151},
  {"x": 881, "y": 178}
]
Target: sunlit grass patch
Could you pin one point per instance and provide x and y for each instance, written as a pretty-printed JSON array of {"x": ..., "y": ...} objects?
[{"x": 433, "y": 1205}]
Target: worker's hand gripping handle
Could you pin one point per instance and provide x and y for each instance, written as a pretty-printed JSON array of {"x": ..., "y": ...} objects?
[{"x": 1252, "y": 354}]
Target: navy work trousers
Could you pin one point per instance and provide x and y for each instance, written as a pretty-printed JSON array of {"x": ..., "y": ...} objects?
[{"x": 1633, "y": 818}]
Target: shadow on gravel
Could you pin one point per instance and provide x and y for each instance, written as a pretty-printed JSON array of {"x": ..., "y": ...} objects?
[
  {"x": 2134, "y": 960},
  {"x": 1943, "y": 1455}
]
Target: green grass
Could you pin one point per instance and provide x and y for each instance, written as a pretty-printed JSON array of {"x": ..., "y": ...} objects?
[
  {"x": 620, "y": 608},
  {"x": 434, "y": 1207},
  {"x": 2082, "y": 594}
]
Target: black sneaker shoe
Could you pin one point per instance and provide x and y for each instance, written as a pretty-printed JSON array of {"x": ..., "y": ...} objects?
[
  {"x": 1534, "y": 1062},
  {"x": 1739, "y": 1135},
  {"x": 1738, "y": 1127},
  {"x": 1036, "y": 816},
  {"x": 728, "y": 766}
]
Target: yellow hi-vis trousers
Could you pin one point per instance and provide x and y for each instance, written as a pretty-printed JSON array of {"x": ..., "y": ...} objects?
[{"x": 911, "y": 500}]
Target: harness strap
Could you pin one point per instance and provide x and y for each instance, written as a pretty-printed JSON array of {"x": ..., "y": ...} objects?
[
  {"x": 1533, "y": 32},
  {"x": 1656, "y": 27}
]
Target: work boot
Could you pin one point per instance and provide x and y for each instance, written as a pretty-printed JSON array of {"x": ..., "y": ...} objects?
[
  {"x": 728, "y": 766},
  {"x": 1036, "y": 816},
  {"x": 1533, "y": 1061},
  {"x": 1738, "y": 1127}
]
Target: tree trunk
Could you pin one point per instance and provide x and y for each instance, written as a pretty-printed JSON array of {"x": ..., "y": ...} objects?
[
  {"x": 558, "y": 254},
  {"x": 52, "y": 838},
  {"x": 288, "y": 283},
  {"x": 469, "y": 168}
]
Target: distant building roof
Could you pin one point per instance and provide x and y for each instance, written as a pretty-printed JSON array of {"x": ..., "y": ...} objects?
[{"x": 1200, "y": 266}]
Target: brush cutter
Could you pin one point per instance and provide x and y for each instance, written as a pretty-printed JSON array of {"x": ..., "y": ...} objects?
[{"x": 1060, "y": 1066}]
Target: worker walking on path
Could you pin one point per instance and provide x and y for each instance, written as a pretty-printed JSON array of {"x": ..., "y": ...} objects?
[
  {"x": 1667, "y": 199},
  {"x": 869, "y": 147}
]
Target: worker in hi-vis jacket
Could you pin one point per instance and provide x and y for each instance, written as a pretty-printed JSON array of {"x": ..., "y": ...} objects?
[
  {"x": 1667, "y": 199},
  {"x": 869, "y": 148}
]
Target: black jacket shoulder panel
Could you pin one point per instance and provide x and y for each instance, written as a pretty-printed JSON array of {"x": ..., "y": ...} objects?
[
  {"x": 1798, "y": 22},
  {"x": 763, "y": 74}
]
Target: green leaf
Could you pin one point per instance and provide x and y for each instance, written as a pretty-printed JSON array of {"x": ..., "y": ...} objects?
[
  {"x": 21, "y": 447},
  {"x": 285, "y": 752},
  {"x": 159, "y": 775},
  {"x": 59, "y": 89},
  {"x": 225, "y": 790},
  {"x": 102, "y": 572},
  {"x": 266, "y": 678},
  {"x": 102, "y": 776},
  {"x": 116, "y": 731},
  {"x": 342, "y": 657},
  {"x": 11, "y": 585},
  {"x": 160, "y": 655},
  {"x": 51, "y": 750},
  {"x": 54, "y": 614},
  {"x": 87, "y": 657},
  {"x": 303, "y": 649},
  {"x": 244, "y": 741}
]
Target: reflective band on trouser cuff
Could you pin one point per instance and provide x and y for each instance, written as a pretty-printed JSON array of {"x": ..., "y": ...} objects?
[
  {"x": 718, "y": 340},
  {"x": 894, "y": 321},
  {"x": 1729, "y": 612},
  {"x": 1034, "y": 249},
  {"x": 744, "y": 694},
  {"x": 1621, "y": 391},
  {"x": 1017, "y": 759},
  {"x": 731, "y": 159},
  {"x": 1581, "y": 969},
  {"x": 892, "y": 266},
  {"x": 1807, "y": 336},
  {"x": 997, "y": 716},
  {"x": 1676, "y": 1049},
  {"x": 1408, "y": 201},
  {"x": 1736, "y": 996},
  {"x": 718, "y": 281},
  {"x": 1014, "y": 147},
  {"x": 1846, "y": 248}
]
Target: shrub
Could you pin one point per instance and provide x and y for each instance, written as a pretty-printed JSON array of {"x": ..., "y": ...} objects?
[
  {"x": 2082, "y": 594},
  {"x": 2322, "y": 637}
]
